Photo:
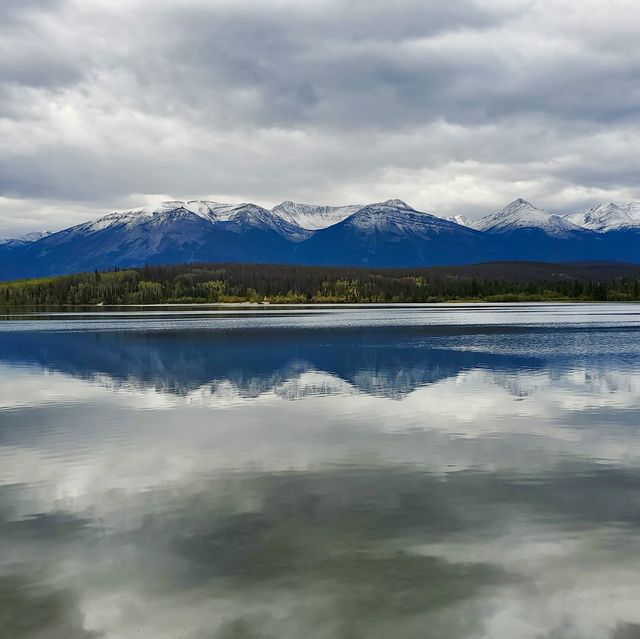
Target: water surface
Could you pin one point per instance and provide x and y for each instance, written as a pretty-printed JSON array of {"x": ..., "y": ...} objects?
[{"x": 283, "y": 472}]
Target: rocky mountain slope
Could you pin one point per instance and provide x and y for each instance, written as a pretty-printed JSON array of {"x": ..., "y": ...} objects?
[{"x": 389, "y": 233}]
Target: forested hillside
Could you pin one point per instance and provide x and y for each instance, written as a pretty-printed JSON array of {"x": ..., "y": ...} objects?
[{"x": 212, "y": 283}]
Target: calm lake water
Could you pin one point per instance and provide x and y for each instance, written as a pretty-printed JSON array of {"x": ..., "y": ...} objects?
[{"x": 321, "y": 473}]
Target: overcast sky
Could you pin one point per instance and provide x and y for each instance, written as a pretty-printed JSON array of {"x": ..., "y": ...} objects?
[{"x": 455, "y": 107}]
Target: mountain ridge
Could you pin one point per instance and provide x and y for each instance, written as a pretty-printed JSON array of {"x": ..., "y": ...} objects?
[
  {"x": 521, "y": 214},
  {"x": 389, "y": 233},
  {"x": 608, "y": 216}
]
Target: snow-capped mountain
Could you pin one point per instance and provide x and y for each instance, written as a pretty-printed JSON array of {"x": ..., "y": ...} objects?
[
  {"x": 169, "y": 233},
  {"x": 396, "y": 216},
  {"x": 392, "y": 233},
  {"x": 313, "y": 217},
  {"x": 460, "y": 219},
  {"x": 389, "y": 233},
  {"x": 520, "y": 214},
  {"x": 34, "y": 236},
  {"x": 234, "y": 216},
  {"x": 611, "y": 216}
]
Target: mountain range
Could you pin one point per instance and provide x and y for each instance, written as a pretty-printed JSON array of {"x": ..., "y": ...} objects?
[{"x": 390, "y": 233}]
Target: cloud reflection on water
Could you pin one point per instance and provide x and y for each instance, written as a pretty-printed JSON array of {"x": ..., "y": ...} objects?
[{"x": 402, "y": 483}]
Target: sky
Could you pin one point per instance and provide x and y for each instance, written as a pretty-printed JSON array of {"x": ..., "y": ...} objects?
[{"x": 456, "y": 107}]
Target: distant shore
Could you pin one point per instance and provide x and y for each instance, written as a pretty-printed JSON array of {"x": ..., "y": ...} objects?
[{"x": 256, "y": 285}]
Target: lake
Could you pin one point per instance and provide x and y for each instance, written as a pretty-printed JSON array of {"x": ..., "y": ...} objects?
[{"x": 451, "y": 471}]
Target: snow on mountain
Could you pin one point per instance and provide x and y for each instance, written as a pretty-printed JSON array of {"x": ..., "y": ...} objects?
[
  {"x": 232, "y": 216},
  {"x": 209, "y": 211},
  {"x": 172, "y": 232},
  {"x": 610, "y": 216},
  {"x": 520, "y": 215},
  {"x": 397, "y": 217},
  {"x": 251, "y": 216},
  {"x": 460, "y": 219},
  {"x": 34, "y": 236},
  {"x": 28, "y": 238},
  {"x": 313, "y": 217},
  {"x": 117, "y": 218},
  {"x": 389, "y": 233},
  {"x": 392, "y": 233}
]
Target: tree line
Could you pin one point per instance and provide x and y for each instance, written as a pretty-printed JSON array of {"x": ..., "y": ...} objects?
[{"x": 216, "y": 283}]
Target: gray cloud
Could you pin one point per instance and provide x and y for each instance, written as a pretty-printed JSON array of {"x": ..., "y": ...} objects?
[
  {"x": 351, "y": 553},
  {"x": 455, "y": 107},
  {"x": 57, "y": 615}
]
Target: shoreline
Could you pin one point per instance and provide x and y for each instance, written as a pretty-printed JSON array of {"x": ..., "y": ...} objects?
[{"x": 319, "y": 305}]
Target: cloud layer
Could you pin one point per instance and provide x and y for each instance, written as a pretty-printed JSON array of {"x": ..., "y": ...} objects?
[{"x": 455, "y": 107}]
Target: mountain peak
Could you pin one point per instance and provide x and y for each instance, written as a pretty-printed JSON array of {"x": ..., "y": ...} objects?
[
  {"x": 608, "y": 216},
  {"x": 518, "y": 205},
  {"x": 397, "y": 204},
  {"x": 389, "y": 233},
  {"x": 169, "y": 205},
  {"x": 520, "y": 214}
]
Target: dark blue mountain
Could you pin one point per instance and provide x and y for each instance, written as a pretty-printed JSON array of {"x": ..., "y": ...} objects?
[
  {"x": 389, "y": 233},
  {"x": 393, "y": 234},
  {"x": 527, "y": 232},
  {"x": 174, "y": 233}
]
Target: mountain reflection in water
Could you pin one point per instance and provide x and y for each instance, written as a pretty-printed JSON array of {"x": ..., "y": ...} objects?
[{"x": 458, "y": 480}]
